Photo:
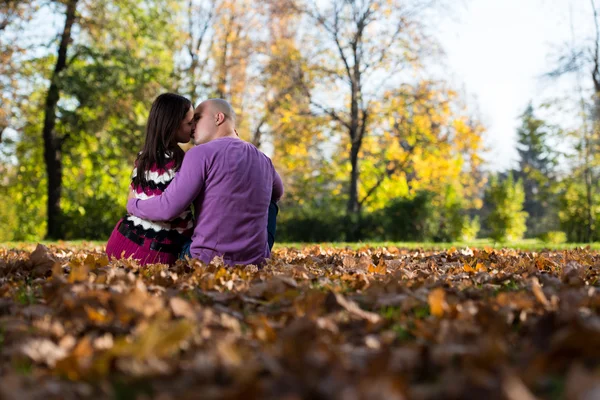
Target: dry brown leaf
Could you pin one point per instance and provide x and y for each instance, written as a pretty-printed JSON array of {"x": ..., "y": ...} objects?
[
  {"x": 42, "y": 261},
  {"x": 514, "y": 389},
  {"x": 182, "y": 308},
  {"x": 43, "y": 351},
  {"x": 538, "y": 292},
  {"x": 354, "y": 309},
  {"x": 313, "y": 322}
]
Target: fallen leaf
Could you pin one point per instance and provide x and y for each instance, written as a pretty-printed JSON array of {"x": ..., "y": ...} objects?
[{"x": 437, "y": 302}]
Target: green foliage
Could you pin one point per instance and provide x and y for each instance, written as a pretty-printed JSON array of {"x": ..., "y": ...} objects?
[
  {"x": 120, "y": 60},
  {"x": 311, "y": 228},
  {"x": 429, "y": 216},
  {"x": 96, "y": 182},
  {"x": 573, "y": 211},
  {"x": 470, "y": 229},
  {"x": 506, "y": 220},
  {"x": 410, "y": 219},
  {"x": 536, "y": 170},
  {"x": 27, "y": 190},
  {"x": 553, "y": 237},
  {"x": 419, "y": 218},
  {"x": 8, "y": 216},
  {"x": 455, "y": 224}
]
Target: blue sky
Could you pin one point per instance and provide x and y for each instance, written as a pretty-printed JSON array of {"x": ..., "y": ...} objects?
[{"x": 497, "y": 51}]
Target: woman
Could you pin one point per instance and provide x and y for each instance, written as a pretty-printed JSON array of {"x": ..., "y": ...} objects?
[{"x": 171, "y": 121}]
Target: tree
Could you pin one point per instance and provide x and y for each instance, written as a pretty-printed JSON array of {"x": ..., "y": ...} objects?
[
  {"x": 225, "y": 40},
  {"x": 113, "y": 57},
  {"x": 52, "y": 142},
  {"x": 372, "y": 40},
  {"x": 580, "y": 58},
  {"x": 506, "y": 220},
  {"x": 421, "y": 139},
  {"x": 14, "y": 15},
  {"x": 573, "y": 214},
  {"x": 281, "y": 98},
  {"x": 199, "y": 39},
  {"x": 537, "y": 162}
]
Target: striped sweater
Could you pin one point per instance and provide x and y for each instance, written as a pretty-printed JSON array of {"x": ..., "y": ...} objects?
[{"x": 176, "y": 230}]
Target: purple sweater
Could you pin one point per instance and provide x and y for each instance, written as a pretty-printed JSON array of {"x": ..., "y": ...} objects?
[{"x": 231, "y": 184}]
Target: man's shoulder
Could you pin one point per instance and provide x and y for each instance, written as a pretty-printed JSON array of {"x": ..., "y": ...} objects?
[
  {"x": 220, "y": 144},
  {"x": 221, "y": 148},
  {"x": 204, "y": 149}
]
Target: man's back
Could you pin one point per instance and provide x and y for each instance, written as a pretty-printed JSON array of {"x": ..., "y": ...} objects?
[{"x": 232, "y": 209}]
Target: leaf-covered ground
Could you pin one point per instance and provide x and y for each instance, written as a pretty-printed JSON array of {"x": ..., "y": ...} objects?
[{"x": 316, "y": 323}]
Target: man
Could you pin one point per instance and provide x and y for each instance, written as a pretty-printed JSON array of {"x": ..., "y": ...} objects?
[{"x": 232, "y": 185}]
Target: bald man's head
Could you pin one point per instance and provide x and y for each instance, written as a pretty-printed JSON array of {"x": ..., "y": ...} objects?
[
  {"x": 219, "y": 106},
  {"x": 216, "y": 118}
]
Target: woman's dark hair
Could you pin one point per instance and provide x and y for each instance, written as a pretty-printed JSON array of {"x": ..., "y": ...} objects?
[{"x": 166, "y": 114}]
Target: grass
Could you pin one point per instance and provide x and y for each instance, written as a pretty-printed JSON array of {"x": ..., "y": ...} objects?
[
  {"x": 30, "y": 245},
  {"x": 25, "y": 295},
  {"x": 525, "y": 244}
]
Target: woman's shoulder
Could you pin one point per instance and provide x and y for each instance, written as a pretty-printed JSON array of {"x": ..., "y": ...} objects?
[
  {"x": 157, "y": 175},
  {"x": 167, "y": 167}
]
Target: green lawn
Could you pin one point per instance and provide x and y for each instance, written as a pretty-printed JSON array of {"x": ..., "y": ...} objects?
[
  {"x": 83, "y": 244},
  {"x": 526, "y": 244}
]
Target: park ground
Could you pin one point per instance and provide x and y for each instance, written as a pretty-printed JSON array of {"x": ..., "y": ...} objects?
[{"x": 319, "y": 321}]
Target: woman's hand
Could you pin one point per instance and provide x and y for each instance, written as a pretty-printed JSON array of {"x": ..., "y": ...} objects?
[{"x": 131, "y": 195}]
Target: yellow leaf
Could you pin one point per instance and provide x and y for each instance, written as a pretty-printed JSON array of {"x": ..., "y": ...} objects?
[
  {"x": 79, "y": 272},
  {"x": 159, "y": 339},
  {"x": 437, "y": 302},
  {"x": 96, "y": 315},
  {"x": 377, "y": 269}
]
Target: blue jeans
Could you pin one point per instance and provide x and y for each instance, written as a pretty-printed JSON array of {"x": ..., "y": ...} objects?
[
  {"x": 272, "y": 223},
  {"x": 271, "y": 230}
]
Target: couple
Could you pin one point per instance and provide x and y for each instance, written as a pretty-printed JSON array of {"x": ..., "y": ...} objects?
[{"x": 232, "y": 186}]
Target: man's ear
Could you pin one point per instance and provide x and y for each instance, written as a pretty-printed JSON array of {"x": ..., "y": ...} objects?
[{"x": 219, "y": 118}]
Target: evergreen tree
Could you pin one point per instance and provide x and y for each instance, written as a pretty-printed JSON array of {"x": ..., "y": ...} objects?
[{"x": 537, "y": 162}]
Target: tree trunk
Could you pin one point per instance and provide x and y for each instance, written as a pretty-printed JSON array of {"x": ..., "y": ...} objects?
[
  {"x": 223, "y": 64},
  {"x": 353, "y": 193},
  {"x": 356, "y": 140},
  {"x": 353, "y": 208},
  {"x": 594, "y": 143},
  {"x": 356, "y": 136},
  {"x": 52, "y": 143},
  {"x": 589, "y": 200}
]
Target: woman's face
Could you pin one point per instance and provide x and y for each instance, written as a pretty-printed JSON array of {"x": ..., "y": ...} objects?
[{"x": 186, "y": 128}]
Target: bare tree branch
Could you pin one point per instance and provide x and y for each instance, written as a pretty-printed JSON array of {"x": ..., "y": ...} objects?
[{"x": 331, "y": 113}]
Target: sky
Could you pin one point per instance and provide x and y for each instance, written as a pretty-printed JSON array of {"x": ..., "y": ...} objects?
[{"x": 497, "y": 52}]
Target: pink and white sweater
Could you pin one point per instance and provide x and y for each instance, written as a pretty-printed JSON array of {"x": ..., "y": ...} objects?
[{"x": 176, "y": 230}]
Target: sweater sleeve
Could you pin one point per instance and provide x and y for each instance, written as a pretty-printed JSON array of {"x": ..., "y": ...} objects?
[{"x": 183, "y": 189}]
